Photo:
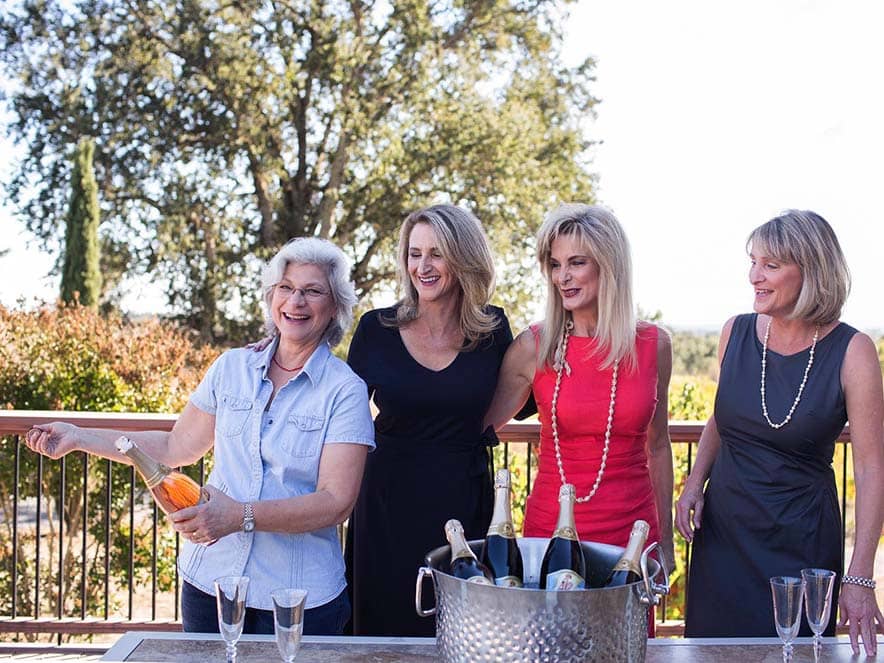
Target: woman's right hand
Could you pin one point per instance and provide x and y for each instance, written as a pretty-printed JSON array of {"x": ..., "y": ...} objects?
[
  {"x": 689, "y": 511},
  {"x": 54, "y": 440},
  {"x": 258, "y": 346}
]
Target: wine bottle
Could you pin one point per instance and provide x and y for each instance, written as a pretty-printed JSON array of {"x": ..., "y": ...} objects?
[
  {"x": 628, "y": 569},
  {"x": 500, "y": 552},
  {"x": 170, "y": 488},
  {"x": 564, "y": 566},
  {"x": 464, "y": 564}
]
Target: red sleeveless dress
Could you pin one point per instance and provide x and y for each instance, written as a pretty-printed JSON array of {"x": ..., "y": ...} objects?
[{"x": 625, "y": 493}]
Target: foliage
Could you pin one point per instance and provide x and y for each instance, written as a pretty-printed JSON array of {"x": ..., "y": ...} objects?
[
  {"x": 224, "y": 129},
  {"x": 695, "y": 355},
  {"x": 80, "y": 274},
  {"x": 72, "y": 358}
]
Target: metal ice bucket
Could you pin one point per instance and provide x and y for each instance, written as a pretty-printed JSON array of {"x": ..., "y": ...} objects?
[{"x": 477, "y": 622}]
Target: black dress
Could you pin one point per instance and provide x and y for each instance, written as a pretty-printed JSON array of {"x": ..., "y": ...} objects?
[
  {"x": 431, "y": 464},
  {"x": 771, "y": 507}
]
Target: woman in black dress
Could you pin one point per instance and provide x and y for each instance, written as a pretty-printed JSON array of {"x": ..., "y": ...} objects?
[
  {"x": 431, "y": 364},
  {"x": 791, "y": 376}
]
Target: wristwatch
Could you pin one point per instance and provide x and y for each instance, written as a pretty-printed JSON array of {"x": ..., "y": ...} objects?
[{"x": 248, "y": 518}]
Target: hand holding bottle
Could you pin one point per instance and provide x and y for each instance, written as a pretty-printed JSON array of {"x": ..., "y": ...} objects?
[{"x": 218, "y": 515}]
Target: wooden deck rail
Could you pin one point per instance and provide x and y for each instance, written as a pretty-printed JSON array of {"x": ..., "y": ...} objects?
[{"x": 16, "y": 422}]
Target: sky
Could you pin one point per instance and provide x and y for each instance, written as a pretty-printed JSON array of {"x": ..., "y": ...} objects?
[{"x": 714, "y": 117}]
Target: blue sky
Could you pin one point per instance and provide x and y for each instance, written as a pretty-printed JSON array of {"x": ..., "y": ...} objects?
[{"x": 714, "y": 117}]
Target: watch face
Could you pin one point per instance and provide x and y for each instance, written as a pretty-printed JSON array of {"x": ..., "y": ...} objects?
[{"x": 248, "y": 526}]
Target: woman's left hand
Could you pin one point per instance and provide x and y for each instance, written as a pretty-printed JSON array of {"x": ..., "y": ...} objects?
[
  {"x": 860, "y": 612},
  {"x": 207, "y": 522}
]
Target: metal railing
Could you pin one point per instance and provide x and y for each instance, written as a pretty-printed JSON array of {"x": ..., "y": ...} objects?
[{"x": 86, "y": 551}]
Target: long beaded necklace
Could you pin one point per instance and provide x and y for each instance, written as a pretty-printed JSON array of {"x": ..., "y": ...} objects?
[
  {"x": 562, "y": 365},
  {"x": 785, "y": 421}
]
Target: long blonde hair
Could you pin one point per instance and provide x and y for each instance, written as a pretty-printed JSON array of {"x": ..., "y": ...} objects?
[
  {"x": 464, "y": 247},
  {"x": 598, "y": 233}
]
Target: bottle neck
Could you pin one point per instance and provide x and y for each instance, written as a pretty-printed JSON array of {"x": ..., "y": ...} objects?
[
  {"x": 565, "y": 527},
  {"x": 631, "y": 559},
  {"x": 459, "y": 546},
  {"x": 502, "y": 517},
  {"x": 152, "y": 471}
]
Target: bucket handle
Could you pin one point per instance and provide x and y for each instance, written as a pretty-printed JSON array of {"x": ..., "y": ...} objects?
[
  {"x": 653, "y": 591},
  {"x": 422, "y": 573}
]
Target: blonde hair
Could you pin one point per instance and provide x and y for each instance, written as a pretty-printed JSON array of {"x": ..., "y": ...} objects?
[
  {"x": 324, "y": 254},
  {"x": 806, "y": 239},
  {"x": 464, "y": 247},
  {"x": 599, "y": 233}
]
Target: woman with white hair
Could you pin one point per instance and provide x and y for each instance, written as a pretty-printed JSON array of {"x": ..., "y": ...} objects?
[
  {"x": 600, "y": 379},
  {"x": 291, "y": 428},
  {"x": 792, "y": 374}
]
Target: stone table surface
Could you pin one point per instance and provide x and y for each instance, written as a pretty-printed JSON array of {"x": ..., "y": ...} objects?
[{"x": 201, "y": 648}]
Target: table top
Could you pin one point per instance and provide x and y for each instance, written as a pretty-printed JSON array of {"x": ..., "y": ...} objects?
[{"x": 200, "y": 647}]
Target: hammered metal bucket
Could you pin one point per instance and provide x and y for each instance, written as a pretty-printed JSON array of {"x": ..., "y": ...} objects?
[{"x": 477, "y": 622}]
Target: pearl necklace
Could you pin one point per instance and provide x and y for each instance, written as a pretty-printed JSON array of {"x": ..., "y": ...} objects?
[
  {"x": 785, "y": 421},
  {"x": 560, "y": 365}
]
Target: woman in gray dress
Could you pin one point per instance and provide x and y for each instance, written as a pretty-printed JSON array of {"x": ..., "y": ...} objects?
[{"x": 792, "y": 374}]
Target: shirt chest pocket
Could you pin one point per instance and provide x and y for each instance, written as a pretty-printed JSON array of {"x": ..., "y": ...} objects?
[
  {"x": 233, "y": 413},
  {"x": 304, "y": 434}
]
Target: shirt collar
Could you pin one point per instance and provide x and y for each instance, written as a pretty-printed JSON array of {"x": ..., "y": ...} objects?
[{"x": 313, "y": 368}]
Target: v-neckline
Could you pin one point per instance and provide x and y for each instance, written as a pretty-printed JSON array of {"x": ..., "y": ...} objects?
[{"x": 424, "y": 366}]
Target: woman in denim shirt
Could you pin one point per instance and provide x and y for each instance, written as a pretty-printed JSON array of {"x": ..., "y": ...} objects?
[{"x": 291, "y": 428}]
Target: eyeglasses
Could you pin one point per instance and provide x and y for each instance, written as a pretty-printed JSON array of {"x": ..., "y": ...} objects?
[{"x": 311, "y": 294}]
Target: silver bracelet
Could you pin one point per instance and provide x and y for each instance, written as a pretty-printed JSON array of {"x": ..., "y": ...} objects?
[{"x": 858, "y": 580}]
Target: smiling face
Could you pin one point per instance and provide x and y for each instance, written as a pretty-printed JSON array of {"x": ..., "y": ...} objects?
[
  {"x": 777, "y": 283},
  {"x": 429, "y": 272},
  {"x": 302, "y": 304},
  {"x": 575, "y": 274}
]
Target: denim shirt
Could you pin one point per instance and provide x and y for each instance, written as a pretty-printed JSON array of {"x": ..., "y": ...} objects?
[{"x": 273, "y": 454}]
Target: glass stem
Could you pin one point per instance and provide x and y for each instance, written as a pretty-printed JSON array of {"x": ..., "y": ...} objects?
[{"x": 231, "y": 653}]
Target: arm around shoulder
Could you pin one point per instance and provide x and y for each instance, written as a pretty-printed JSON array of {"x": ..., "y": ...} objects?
[{"x": 514, "y": 380}]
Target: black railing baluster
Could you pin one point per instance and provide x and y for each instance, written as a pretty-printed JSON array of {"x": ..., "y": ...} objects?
[
  {"x": 39, "y": 515},
  {"x": 84, "y": 572},
  {"x": 62, "y": 478},
  {"x": 131, "y": 540},
  {"x": 108, "y": 494},
  {"x": 153, "y": 565},
  {"x": 15, "y": 482}
]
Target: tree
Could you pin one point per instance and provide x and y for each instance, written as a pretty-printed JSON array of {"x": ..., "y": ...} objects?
[
  {"x": 223, "y": 129},
  {"x": 80, "y": 275}
]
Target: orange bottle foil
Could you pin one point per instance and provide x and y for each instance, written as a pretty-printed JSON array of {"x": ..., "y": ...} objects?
[{"x": 171, "y": 489}]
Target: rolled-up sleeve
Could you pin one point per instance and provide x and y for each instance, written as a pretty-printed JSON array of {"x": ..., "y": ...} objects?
[{"x": 350, "y": 418}]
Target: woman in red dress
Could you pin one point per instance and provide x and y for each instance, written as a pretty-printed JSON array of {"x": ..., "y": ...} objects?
[{"x": 600, "y": 379}]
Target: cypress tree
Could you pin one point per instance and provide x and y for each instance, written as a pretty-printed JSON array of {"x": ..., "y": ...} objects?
[{"x": 81, "y": 273}]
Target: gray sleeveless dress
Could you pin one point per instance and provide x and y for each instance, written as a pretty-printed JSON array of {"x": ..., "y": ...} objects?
[{"x": 771, "y": 507}]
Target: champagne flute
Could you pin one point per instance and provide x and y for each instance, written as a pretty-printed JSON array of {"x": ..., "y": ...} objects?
[
  {"x": 231, "y": 594},
  {"x": 787, "y": 595},
  {"x": 818, "y": 585},
  {"x": 288, "y": 620}
]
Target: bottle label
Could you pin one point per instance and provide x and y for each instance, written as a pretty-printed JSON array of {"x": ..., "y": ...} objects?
[
  {"x": 565, "y": 533},
  {"x": 505, "y": 529},
  {"x": 564, "y": 580},
  {"x": 627, "y": 565},
  {"x": 479, "y": 580},
  {"x": 508, "y": 581}
]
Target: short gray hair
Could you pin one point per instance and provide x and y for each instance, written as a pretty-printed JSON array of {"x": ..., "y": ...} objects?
[
  {"x": 324, "y": 254},
  {"x": 806, "y": 239}
]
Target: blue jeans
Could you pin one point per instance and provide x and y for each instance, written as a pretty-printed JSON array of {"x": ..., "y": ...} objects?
[{"x": 199, "y": 614}]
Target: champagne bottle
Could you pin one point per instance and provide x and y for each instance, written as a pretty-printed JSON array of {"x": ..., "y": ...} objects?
[
  {"x": 170, "y": 488},
  {"x": 628, "y": 569},
  {"x": 464, "y": 564},
  {"x": 564, "y": 566},
  {"x": 500, "y": 552}
]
